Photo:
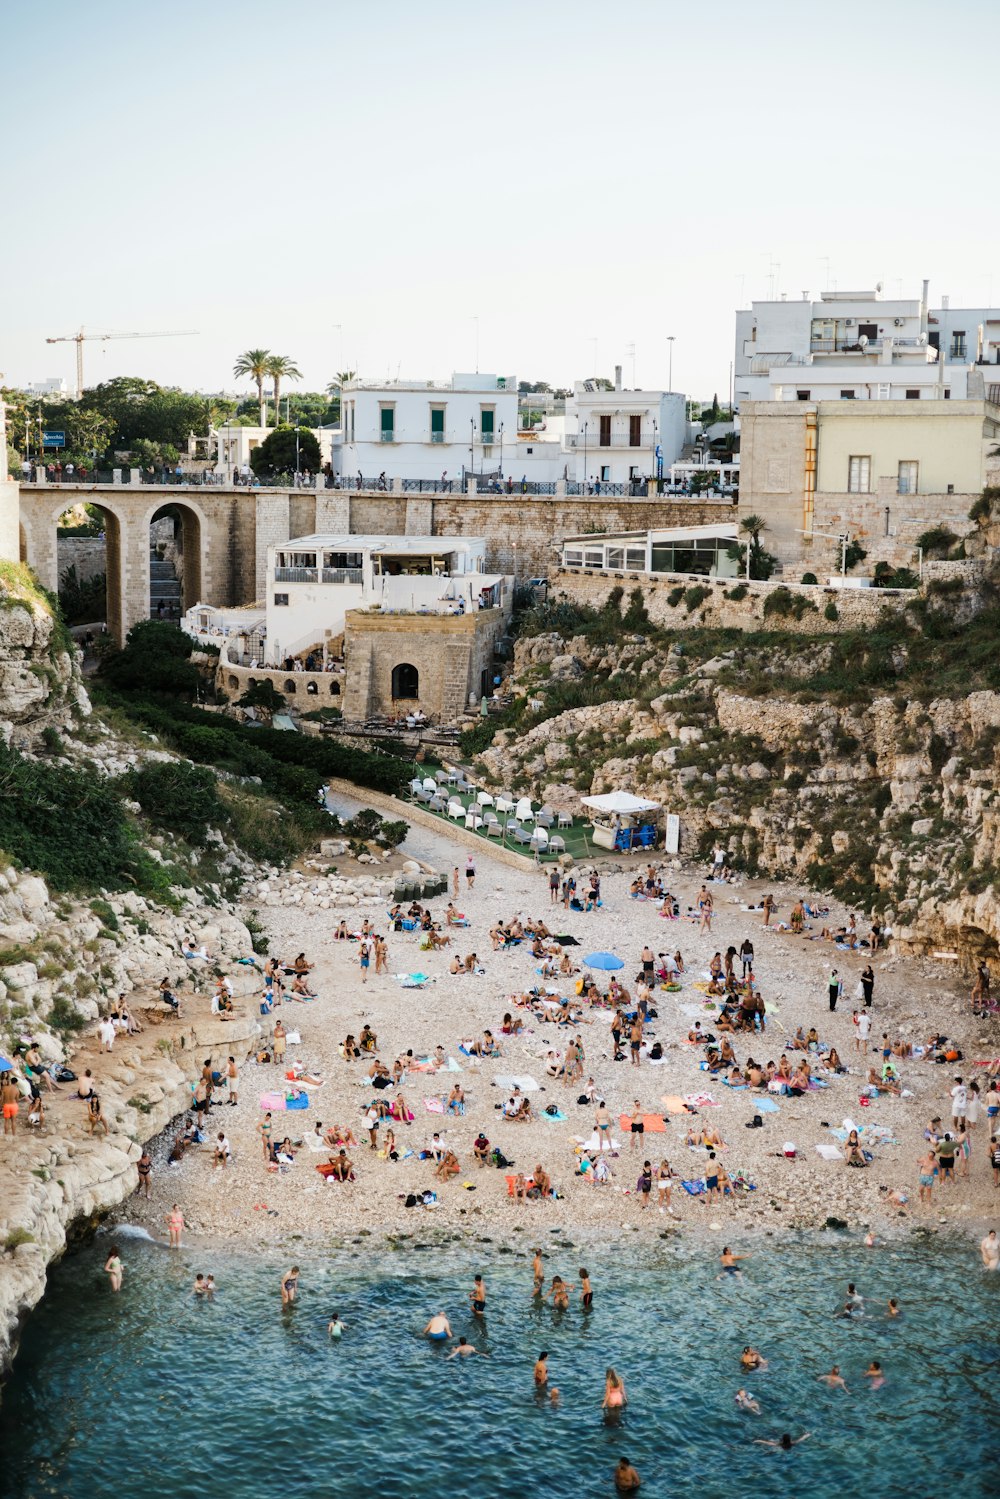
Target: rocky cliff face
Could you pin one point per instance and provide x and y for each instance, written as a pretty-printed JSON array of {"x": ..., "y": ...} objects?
[
  {"x": 40, "y": 684},
  {"x": 891, "y": 800}
]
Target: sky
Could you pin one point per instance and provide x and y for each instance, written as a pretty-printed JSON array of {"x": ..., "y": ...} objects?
[{"x": 544, "y": 189}]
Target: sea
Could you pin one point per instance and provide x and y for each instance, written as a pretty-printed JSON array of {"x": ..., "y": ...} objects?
[{"x": 154, "y": 1392}]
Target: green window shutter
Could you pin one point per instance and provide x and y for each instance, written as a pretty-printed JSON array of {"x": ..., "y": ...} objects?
[
  {"x": 486, "y": 424},
  {"x": 437, "y": 421},
  {"x": 388, "y": 418}
]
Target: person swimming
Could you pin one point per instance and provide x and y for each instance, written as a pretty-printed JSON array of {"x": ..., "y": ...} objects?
[
  {"x": 335, "y": 1328},
  {"x": 289, "y": 1285},
  {"x": 464, "y": 1349},
  {"x": 438, "y": 1329}
]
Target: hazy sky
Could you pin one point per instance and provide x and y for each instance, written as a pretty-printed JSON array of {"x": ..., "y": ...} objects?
[{"x": 353, "y": 184}]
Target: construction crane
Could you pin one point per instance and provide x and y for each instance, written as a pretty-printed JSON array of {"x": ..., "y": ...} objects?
[{"x": 81, "y": 338}]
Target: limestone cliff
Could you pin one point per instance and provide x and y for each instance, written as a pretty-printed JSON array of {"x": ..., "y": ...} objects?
[{"x": 40, "y": 685}]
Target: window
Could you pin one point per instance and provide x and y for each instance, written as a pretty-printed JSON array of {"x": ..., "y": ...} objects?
[
  {"x": 859, "y": 472},
  {"x": 909, "y": 471},
  {"x": 803, "y": 395},
  {"x": 947, "y": 392},
  {"x": 486, "y": 425},
  {"x": 616, "y": 559},
  {"x": 635, "y": 431},
  {"x": 573, "y": 557},
  {"x": 593, "y": 557},
  {"x": 913, "y": 395},
  {"x": 387, "y": 418},
  {"x": 957, "y": 350},
  {"x": 868, "y": 330},
  {"x": 847, "y": 395},
  {"x": 437, "y": 424},
  {"x": 405, "y": 681},
  {"x": 605, "y": 433},
  {"x": 635, "y": 559},
  {"x": 605, "y": 473},
  {"x": 280, "y": 598}
]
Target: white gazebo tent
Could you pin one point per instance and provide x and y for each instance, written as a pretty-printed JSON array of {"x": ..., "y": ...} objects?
[{"x": 623, "y": 821}]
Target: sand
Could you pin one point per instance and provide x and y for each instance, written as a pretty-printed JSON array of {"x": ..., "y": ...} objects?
[{"x": 913, "y": 997}]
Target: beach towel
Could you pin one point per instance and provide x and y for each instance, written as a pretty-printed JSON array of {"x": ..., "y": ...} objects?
[
  {"x": 766, "y": 1106},
  {"x": 696, "y": 1189},
  {"x": 594, "y": 1143},
  {"x": 272, "y": 1100},
  {"x": 701, "y": 1101},
  {"x": 552, "y": 1118},
  {"x": 653, "y": 1124},
  {"x": 434, "y": 1105},
  {"x": 829, "y": 1152},
  {"x": 511, "y": 1080},
  {"x": 673, "y": 1104},
  {"x": 302, "y": 1102},
  {"x": 412, "y": 980},
  {"x": 293, "y": 1038}
]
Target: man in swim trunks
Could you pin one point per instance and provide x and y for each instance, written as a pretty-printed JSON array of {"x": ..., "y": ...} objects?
[
  {"x": 9, "y": 1096},
  {"x": 834, "y": 1379},
  {"x": 627, "y": 1480},
  {"x": 586, "y": 1290},
  {"x": 438, "y": 1329},
  {"x": 477, "y": 1297},
  {"x": 728, "y": 1261},
  {"x": 927, "y": 1165},
  {"x": 465, "y": 1350},
  {"x": 638, "y": 1128},
  {"x": 751, "y": 1358}
]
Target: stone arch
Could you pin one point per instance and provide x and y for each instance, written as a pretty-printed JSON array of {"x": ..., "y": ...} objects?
[
  {"x": 405, "y": 682},
  {"x": 116, "y": 560},
  {"x": 189, "y": 533},
  {"x": 311, "y": 689},
  {"x": 234, "y": 682},
  {"x": 334, "y": 689},
  {"x": 289, "y": 686}
]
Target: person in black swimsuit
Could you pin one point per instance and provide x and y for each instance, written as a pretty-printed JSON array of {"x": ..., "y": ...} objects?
[
  {"x": 477, "y": 1297},
  {"x": 144, "y": 1166},
  {"x": 586, "y": 1290}
]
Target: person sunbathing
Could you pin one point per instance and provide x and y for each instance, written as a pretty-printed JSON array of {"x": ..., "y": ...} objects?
[
  {"x": 487, "y": 1047},
  {"x": 853, "y": 1153},
  {"x": 368, "y": 1041},
  {"x": 453, "y": 917},
  {"x": 301, "y": 965},
  {"x": 300, "y": 989},
  {"x": 343, "y": 1167},
  {"x": 510, "y": 1026},
  {"x": 436, "y": 940},
  {"x": 447, "y": 1167},
  {"x": 456, "y": 1100}
]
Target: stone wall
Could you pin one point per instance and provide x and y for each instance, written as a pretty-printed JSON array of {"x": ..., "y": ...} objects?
[
  {"x": 857, "y": 608},
  {"x": 88, "y": 554},
  {"x": 305, "y": 690},
  {"x": 450, "y": 653}
]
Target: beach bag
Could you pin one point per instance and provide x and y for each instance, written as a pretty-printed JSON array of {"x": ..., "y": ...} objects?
[
  {"x": 293, "y": 1038},
  {"x": 583, "y": 1098},
  {"x": 64, "y": 1075},
  {"x": 789, "y": 1150},
  {"x": 757, "y": 1122}
]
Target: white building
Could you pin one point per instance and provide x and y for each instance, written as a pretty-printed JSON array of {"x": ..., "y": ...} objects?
[
  {"x": 616, "y": 435},
  {"x": 234, "y": 443},
  {"x": 420, "y": 429},
  {"x": 53, "y": 387},
  {"x": 681, "y": 549},
  {"x": 857, "y": 346},
  {"x": 312, "y": 582}
]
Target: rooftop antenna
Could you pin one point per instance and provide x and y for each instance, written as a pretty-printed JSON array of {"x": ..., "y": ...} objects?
[
  {"x": 630, "y": 351},
  {"x": 825, "y": 260}
]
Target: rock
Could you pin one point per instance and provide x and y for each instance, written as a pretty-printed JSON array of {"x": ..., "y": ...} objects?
[{"x": 33, "y": 893}]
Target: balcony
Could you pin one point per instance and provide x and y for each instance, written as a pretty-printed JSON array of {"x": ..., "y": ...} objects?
[
  {"x": 342, "y": 575},
  {"x": 437, "y": 437},
  {"x": 647, "y": 439},
  {"x": 388, "y": 436}
]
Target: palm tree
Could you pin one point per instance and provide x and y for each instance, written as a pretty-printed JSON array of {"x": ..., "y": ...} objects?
[
  {"x": 280, "y": 367},
  {"x": 752, "y": 526},
  {"x": 339, "y": 380},
  {"x": 255, "y": 364}
]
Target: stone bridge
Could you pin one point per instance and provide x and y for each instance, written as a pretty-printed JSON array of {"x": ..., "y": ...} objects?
[{"x": 225, "y": 532}]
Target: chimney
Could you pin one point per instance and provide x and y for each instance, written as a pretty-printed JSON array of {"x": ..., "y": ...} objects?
[
  {"x": 923, "y": 306},
  {"x": 618, "y": 377},
  {"x": 945, "y": 303}
]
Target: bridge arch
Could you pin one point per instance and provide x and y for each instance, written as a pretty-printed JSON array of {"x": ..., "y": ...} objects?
[{"x": 189, "y": 539}]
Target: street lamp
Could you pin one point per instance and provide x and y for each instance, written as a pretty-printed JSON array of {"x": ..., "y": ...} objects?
[
  {"x": 472, "y": 445},
  {"x": 585, "y": 426},
  {"x": 501, "y": 450},
  {"x": 670, "y": 376}
]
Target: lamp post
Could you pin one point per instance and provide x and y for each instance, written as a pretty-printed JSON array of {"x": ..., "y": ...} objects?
[
  {"x": 501, "y": 450},
  {"x": 670, "y": 375},
  {"x": 472, "y": 445},
  {"x": 585, "y": 426}
]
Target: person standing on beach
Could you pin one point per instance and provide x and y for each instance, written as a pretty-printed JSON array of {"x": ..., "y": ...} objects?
[
  {"x": 470, "y": 872},
  {"x": 114, "y": 1268},
  {"x": 278, "y": 1049},
  {"x": 863, "y": 1025},
  {"x": 9, "y": 1096},
  {"x": 767, "y": 906},
  {"x": 834, "y": 989},
  {"x": 746, "y": 956},
  {"x": 554, "y": 885},
  {"x": 144, "y": 1166},
  {"x": 175, "y": 1226},
  {"x": 265, "y": 1127},
  {"x": 635, "y": 1040},
  {"x": 364, "y": 959},
  {"x": 454, "y": 882},
  {"x": 233, "y": 1081},
  {"x": 868, "y": 985},
  {"x": 928, "y": 1166},
  {"x": 959, "y": 1101}
]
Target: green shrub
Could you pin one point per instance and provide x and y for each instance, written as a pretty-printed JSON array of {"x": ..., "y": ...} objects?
[
  {"x": 809, "y": 578},
  {"x": 64, "y": 1017},
  {"x": 258, "y": 934},
  {"x": 16, "y": 1237},
  {"x": 936, "y": 541},
  {"x": 636, "y": 616},
  {"x": 52, "y": 740},
  {"x": 785, "y": 603},
  {"x": 695, "y": 596},
  {"x": 68, "y": 824},
  {"x": 739, "y": 592},
  {"x": 831, "y": 612},
  {"x": 107, "y": 915},
  {"x": 154, "y": 658},
  {"x": 674, "y": 596},
  {"x": 177, "y": 796},
  {"x": 854, "y": 554},
  {"x": 982, "y": 508}
]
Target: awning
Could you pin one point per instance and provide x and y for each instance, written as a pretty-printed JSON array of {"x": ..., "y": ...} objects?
[{"x": 621, "y": 802}]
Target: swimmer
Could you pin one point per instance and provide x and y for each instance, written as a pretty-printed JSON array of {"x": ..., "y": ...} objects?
[
  {"x": 875, "y": 1374},
  {"x": 728, "y": 1261},
  {"x": 541, "y": 1374},
  {"x": 554, "y": 1397},
  {"x": 464, "y": 1349},
  {"x": 209, "y": 1285},
  {"x": 785, "y": 1442},
  {"x": 289, "y": 1285},
  {"x": 834, "y": 1379},
  {"x": 438, "y": 1328},
  {"x": 746, "y": 1402},
  {"x": 892, "y": 1310},
  {"x": 586, "y": 1289},
  {"x": 615, "y": 1399},
  {"x": 627, "y": 1480},
  {"x": 477, "y": 1297},
  {"x": 538, "y": 1270},
  {"x": 989, "y": 1249},
  {"x": 559, "y": 1294},
  {"x": 114, "y": 1268},
  {"x": 335, "y": 1328},
  {"x": 751, "y": 1358}
]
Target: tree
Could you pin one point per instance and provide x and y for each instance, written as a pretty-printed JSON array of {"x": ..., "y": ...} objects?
[
  {"x": 338, "y": 382},
  {"x": 254, "y": 362},
  {"x": 280, "y": 367},
  {"x": 154, "y": 658},
  {"x": 752, "y": 526},
  {"x": 762, "y": 562},
  {"x": 277, "y": 453}
]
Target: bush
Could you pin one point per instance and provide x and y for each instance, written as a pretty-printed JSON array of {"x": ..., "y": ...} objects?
[
  {"x": 785, "y": 603},
  {"x": 68, "y": 824},
  {"x": 936, "y": 541},
  {"x": 16, "y": 1237},
  {"x": 738, "y": 593},
  {"x": 636, "y": 616},
  {"x": 810, "y": 578},
  {"x": 695, "y": 596},
  {"x": 674, "y": 597},
  {"x": 155, "y": 658},
  {"x": 179, "y": 797},
  {"x": 64, "y": 1017},
  {"x": 982, "y": 508},
  {"x": 277, "y": 453},
  {"x": 831, "y": 612},
  {"x": 854, "y": 554},
  {"x": 106, "y": 914}
]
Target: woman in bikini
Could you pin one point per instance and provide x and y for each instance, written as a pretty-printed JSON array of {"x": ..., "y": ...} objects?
[{"x": 615, "y": 1399}]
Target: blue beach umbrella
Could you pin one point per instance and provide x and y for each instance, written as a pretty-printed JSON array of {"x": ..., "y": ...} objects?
[{"x": 604, "y": 960}]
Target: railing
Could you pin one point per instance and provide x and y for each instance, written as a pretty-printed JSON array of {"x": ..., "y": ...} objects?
[
  {"x": 296, "y": 575},
  {"x": 437, "y": 437},
  {"x": 428, "y": 486},
  {"x": 646, "y": 439},
  {"x": 340, "y": 575},
  {"x": 487, "y": 485}
]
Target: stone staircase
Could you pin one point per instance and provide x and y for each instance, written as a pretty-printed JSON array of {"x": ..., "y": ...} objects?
[{"x": 164, "y": 588}]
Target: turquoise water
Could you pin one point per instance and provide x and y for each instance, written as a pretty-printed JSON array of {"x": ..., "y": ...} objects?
[{"x": 151, "y": 1393}]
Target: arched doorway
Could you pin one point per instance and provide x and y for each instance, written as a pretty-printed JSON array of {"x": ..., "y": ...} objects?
[
  {"x": 405, "y": 682},
  {"x": 175, "y": 572},
  {"x": 90, "y": 585}
]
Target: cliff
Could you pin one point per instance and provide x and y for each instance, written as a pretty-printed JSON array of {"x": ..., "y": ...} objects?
[{"x": 40, "y": 684}]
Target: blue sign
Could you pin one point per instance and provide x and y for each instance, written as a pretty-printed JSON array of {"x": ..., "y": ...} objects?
[{"x": 54, "y": 439}]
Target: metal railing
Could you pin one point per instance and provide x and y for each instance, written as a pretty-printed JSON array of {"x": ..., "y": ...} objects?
[
  {"x": 646, "y": 439},
  {"x": 341, "y": 575},
  {"x": 487, "y": 485},
  {"x": 296, "y": 575},
  {"x": 437, "y": 437},
  {"x": 387, "y": 434},
  {"x": 428, "y": 486}
]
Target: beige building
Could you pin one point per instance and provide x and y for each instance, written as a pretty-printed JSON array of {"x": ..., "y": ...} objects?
[{"x": 881, "y": 471}]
